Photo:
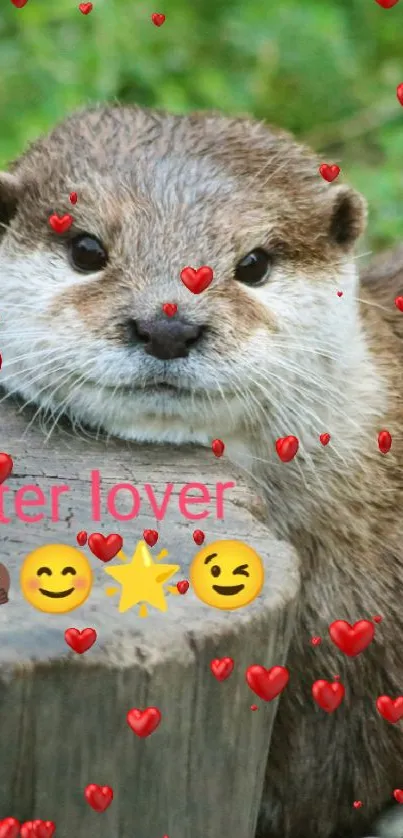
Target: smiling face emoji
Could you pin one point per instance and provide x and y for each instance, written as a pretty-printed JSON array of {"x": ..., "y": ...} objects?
[
  {"x": 56, "y": 578},
  {"x": 227, "y": 574}
]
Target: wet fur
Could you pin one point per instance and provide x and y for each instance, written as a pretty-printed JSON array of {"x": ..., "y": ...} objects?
[{"x": 290, "y": 357}]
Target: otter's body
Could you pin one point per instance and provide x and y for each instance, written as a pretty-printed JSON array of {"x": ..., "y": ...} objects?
[{"x": 269, "y": 349}]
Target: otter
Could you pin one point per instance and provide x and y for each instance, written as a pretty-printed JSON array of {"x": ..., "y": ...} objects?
[{"x": 284, "y": 341}]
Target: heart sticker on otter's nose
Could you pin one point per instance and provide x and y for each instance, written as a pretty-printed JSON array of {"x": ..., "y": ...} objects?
[{"x": 197, "y": 281}]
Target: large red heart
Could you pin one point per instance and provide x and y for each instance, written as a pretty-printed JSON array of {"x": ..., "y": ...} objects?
[
  {"x": 328, "y": 694},
  {"x": 287, "y": 447},
  {"x": 197, "y": 281},
  {"x": 6, "y": 467},
  {"x": 27, "y": 829},
  {"x": 43, "y": 829},
  {"x": 105, "y": 548},
  {"x": 329, "y": 173},
  {"x": 85, "y": 8},
  {"x": 9, "y": 828},
  {"x": 399, "y": 303},
  {"x": 267, "y": 683},
  {"x": 60, "y": 223},
  {"x": 80, "y": 641},
  {"x": 159, "y": 19},
  {"x": 222, "y": 668},
  {"x": 352, "y": 640},
  {"x": 391, "y": 709},
  {"x": 399, "y": 93},
  {"x": 398, "y": 795},
  {"x": 19, "y": 4},
  {"x": 387, "y": 4},
  {"x": 143, "y": 722},
  {"x": 99, "y": 797}
]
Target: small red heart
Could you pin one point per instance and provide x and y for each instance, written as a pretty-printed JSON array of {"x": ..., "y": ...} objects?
[
  {"x": 105, "y": 548},
  {"x": 377, "y": 618},
  {"x": 9, "y": 828},
  {"x": 316, "y": 641},
  {"x": 19, "y": 3},
  {"x": 352, "y": 640},
  {"x": 357, "y": 804},
  {"x": 27, "y": 829},
  {"x": 150, "y": 537},
  {"x": 254, "y": 707},
  {"x": 60, "y": 223},
  {"x": 384, "y": 441},
  {"x": 73, "y": 197},
  {"x": 328, "y": 172},
  {"x": 287, "y": 448},
  {"x": 399, "y": 93},
  {"x": 183, "y": 586},
  {"x": 6, "y": 467},
  {"x": 324, "y": 439},
  {"x": 391, "y": 709},
  {"x": 157, "y": 19},
  {"x": 399, "y": 300},
  {"x": 143, "y": 722},
  {"x": 85, "y": 8},
  {"x": 81, "y": 538},
  {"x": 98, "y": 797},
  {"x": 170, "y": 309},
  {"x": 221, "y": 668},
  {"x": 197, "y": 281},
  {"x": 80, "y": 641},
  {"x": 387, "y": 4},
  {"x": 328, "y": 695},
  {"x": 339, "y": 293},
  {"x": 217, "y": 447},
  {"x": 267, "y": 683},
  {"x": 43, "y": 829},
  {"x": 198, "y": 537},
  {"x": 397, "y": 794}
]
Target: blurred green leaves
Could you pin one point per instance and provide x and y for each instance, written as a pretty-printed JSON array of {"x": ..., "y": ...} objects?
[{"x": 325, "y": 69}]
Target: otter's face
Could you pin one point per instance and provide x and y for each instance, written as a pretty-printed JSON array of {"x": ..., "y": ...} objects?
[{"x": 83, "y": 329}]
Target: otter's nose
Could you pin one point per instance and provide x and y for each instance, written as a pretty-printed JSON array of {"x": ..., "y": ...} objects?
[{"x": 165, "y": 339}]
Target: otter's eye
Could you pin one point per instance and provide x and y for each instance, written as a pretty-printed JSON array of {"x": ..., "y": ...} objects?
[
  {"x": 253, "y": 267},
  {"x": 87, "y": 254}
]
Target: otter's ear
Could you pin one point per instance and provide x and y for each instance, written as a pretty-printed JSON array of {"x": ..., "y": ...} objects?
[
  {"x": 10, "y": 191},
  {"x": 348, "y": 216}
]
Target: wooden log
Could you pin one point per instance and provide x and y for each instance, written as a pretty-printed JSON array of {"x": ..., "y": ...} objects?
[{"x": 63, "y": 715}]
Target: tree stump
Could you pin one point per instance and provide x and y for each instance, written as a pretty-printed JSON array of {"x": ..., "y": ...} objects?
[{"x": 63, "y": 715}]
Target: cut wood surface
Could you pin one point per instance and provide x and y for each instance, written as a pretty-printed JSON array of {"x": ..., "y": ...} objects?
[{"x": 63, "y": 715}]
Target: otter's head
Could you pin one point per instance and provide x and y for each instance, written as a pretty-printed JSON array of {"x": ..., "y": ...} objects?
[{"x": 265, "y": 346}]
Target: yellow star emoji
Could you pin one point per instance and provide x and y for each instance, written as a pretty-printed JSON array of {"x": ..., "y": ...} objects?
[{"x": 142, "y": 579}]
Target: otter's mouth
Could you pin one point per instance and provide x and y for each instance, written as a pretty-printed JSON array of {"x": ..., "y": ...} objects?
[
  {"x": 56, "y": 594},
  {"x": 228, "y": 590}
]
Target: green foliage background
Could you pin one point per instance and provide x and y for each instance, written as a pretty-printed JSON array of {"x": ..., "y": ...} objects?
[{"x": 325, "y": 69}]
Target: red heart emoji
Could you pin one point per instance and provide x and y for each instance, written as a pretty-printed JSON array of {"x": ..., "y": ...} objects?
[
  {"x": 85, "y": 8},
  {"x": 384, "y": 441},
  {"x": 387, "y": 4},
  {"x": 150, "y": 537},
  {"x": 329, "y": 173},
  {"x": 19, "y": 3},
  {"x": 105, "y": 548},
  {"x": 143, "y": 722},
  {"x": 391, "y": 709},
  {"x": 267, "y": 683},
  {"x": 328, "y": 695},
  {"x": 397, "y": 794},
  {"x": 80, "y": 641},
  {"x": 197, "y": 281},
  {"x": 339, "y": 293},
  {"x": 324, "y": 439},
  {"x": 43, "y": 829},
  {"x": 377, "y": 618},
  {"x": 157, "y": 19},
  {"x": 98, "y": 797},
  {"x": 182, "y": 586},
  {"x": 352, "y": 640},
  {"x": 60, "y": 224},
  {"x": 9, "y": 828},
  {"x": 170, "y": 309},
  {"x": 399, "y": 93},
  {"x": 221, "y": 668},
  {"x": 81, "y": 538},
  {"x": 358, "y": 804},
  {"x": 399, "y": 300},
  {"x": 73, "y": 197},
  {"x": 316, "y": 641},
  {"x": 287, "y": 448},
  {"x": 217, "y": 447},
  {"x": 198, "y": 537},
  {"x": 27, "y": 830},
  {"x": 6, "y": 467}
]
